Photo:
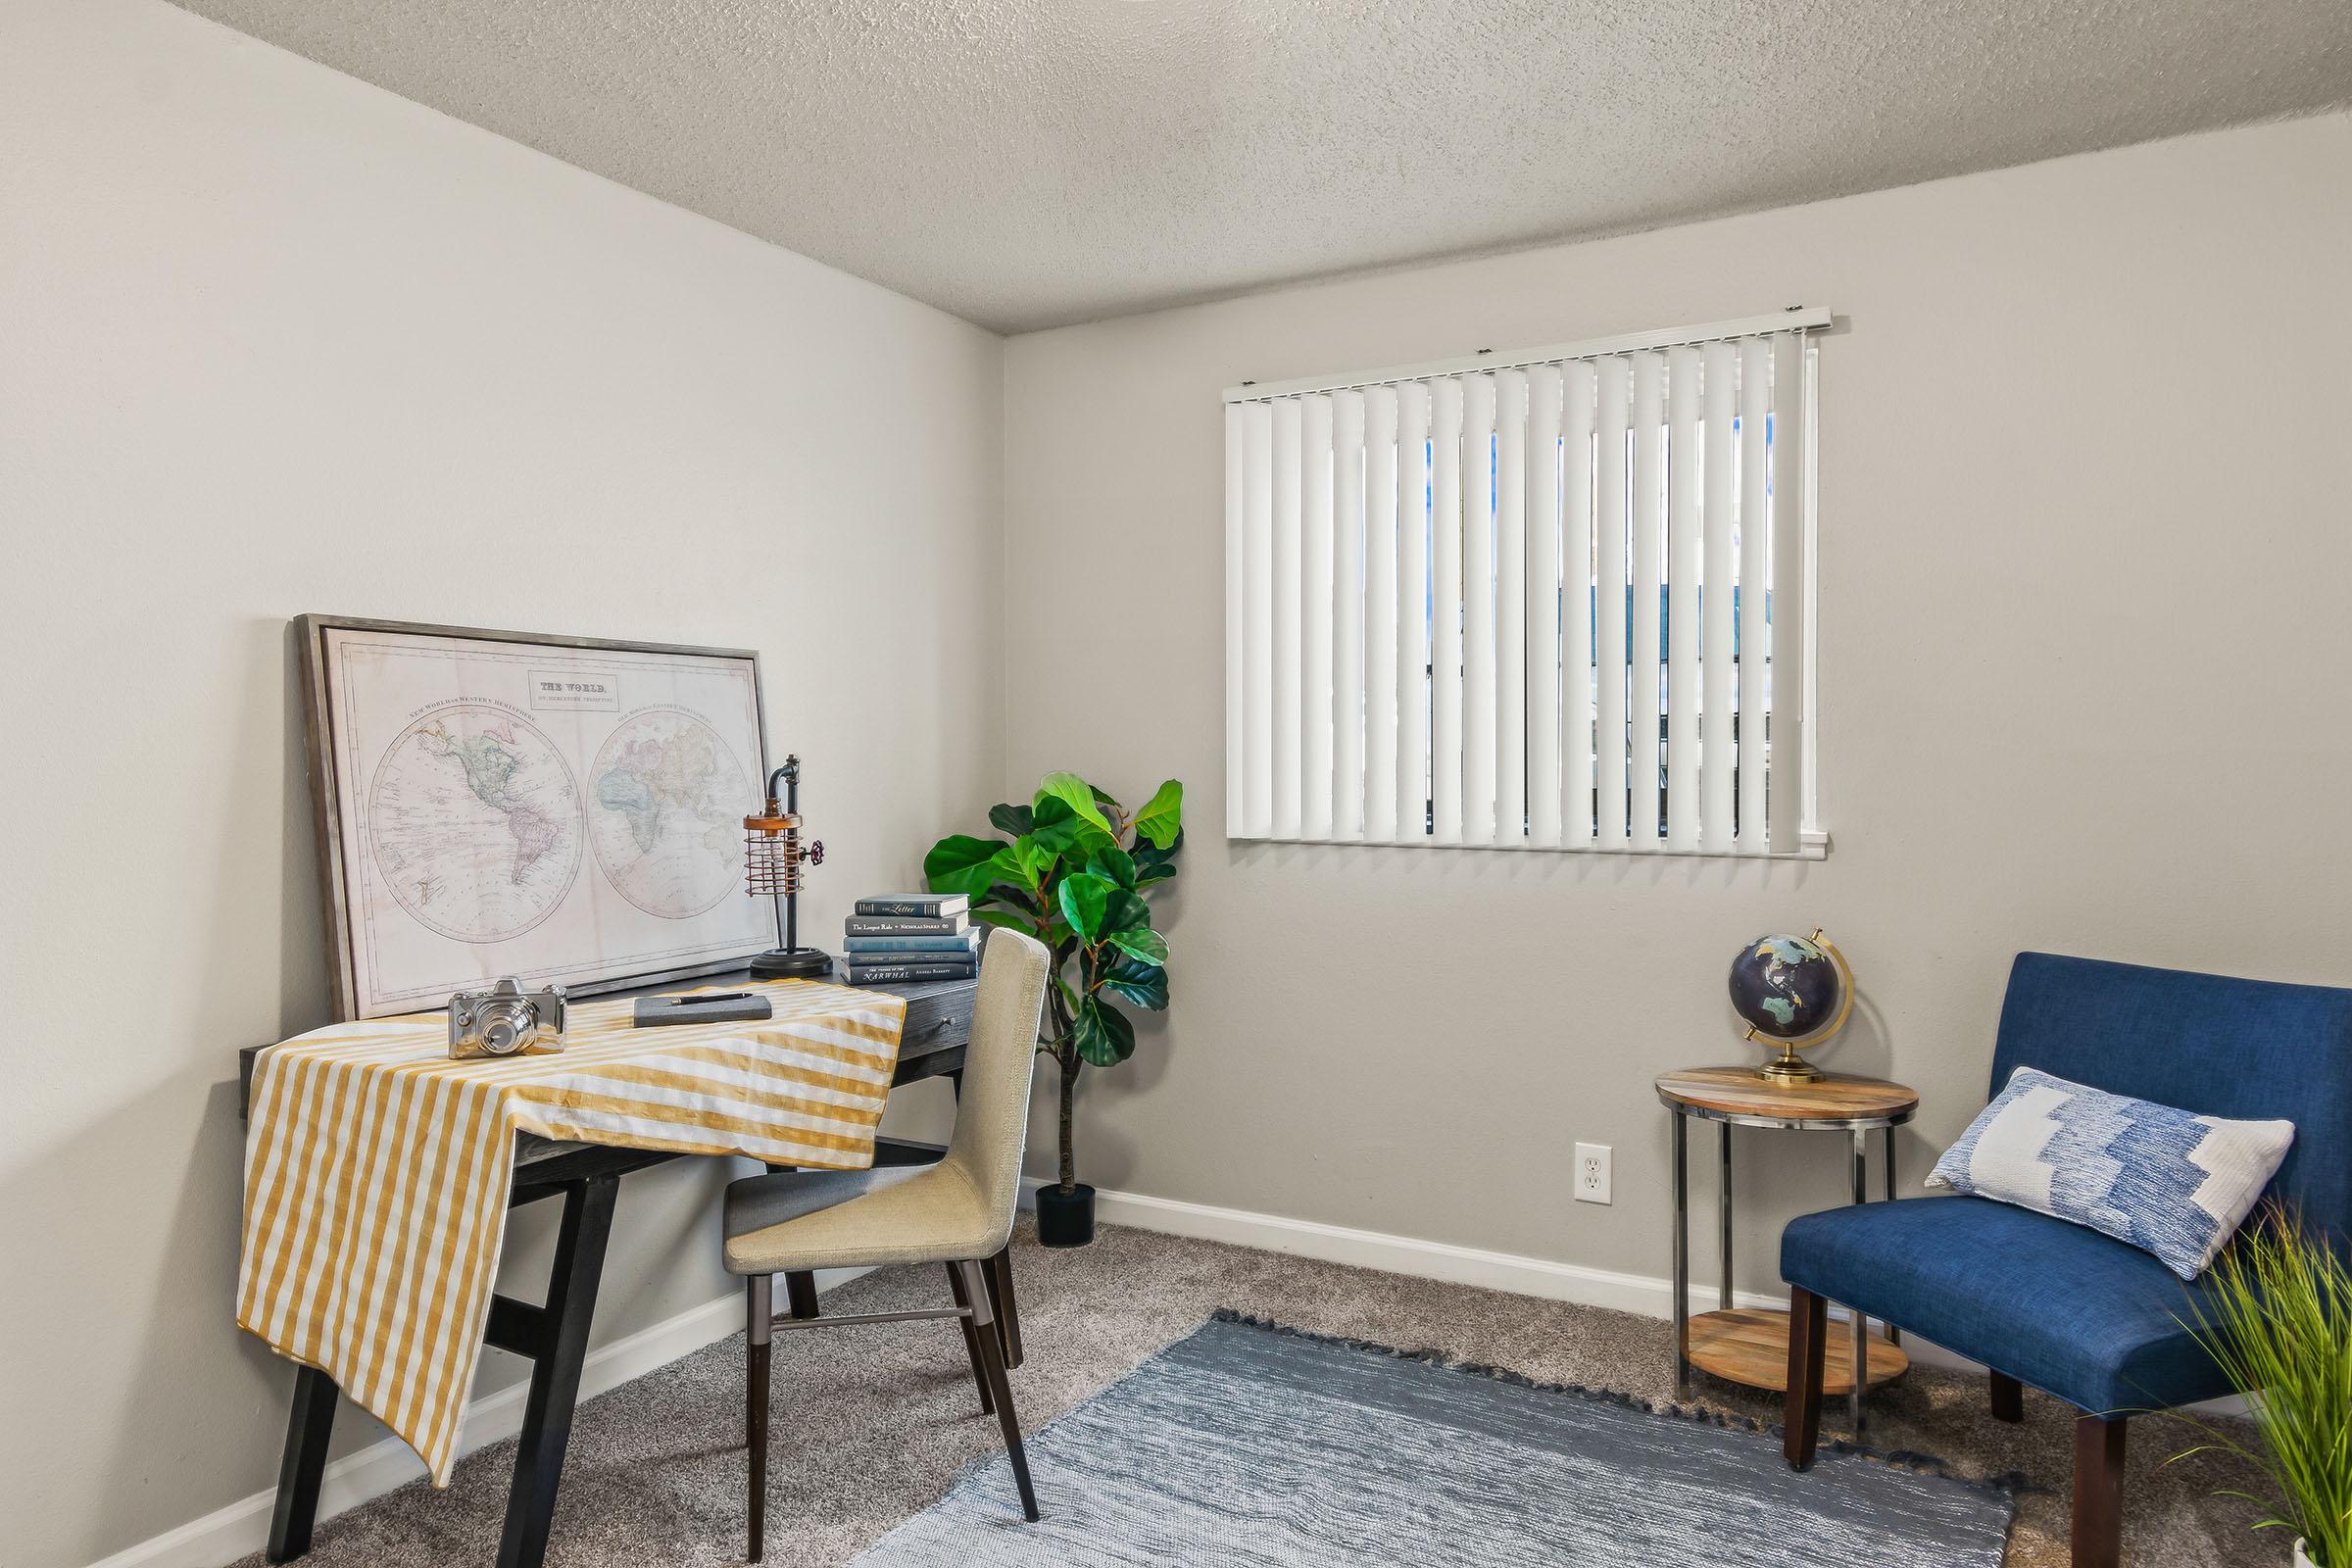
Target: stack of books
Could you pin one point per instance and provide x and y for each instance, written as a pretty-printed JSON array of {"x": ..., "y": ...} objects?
[{"x": 911, "y": 936}]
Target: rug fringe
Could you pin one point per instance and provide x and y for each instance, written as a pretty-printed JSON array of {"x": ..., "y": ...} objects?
[{"x": 2011, "y": 1484}]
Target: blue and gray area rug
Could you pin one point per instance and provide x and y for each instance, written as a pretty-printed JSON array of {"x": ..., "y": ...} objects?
[{"x": 1249, "y": 1445}]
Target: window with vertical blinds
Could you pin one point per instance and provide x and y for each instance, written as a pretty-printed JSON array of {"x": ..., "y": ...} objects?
[{"x": 1553, "y": 600}]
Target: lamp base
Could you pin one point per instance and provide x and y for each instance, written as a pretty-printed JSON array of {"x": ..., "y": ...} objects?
[{"x": 792, "y": 963}]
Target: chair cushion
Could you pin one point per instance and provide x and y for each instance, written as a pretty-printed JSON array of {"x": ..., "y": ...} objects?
[
  {"x": 792, "y": 1220},
  {"x": 2168, "y": 1182},
  {"x": 2077, "y": 1314}
]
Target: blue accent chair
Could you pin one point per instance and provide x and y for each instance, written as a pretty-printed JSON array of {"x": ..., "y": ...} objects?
[{"x": 2055, "y": 1305}]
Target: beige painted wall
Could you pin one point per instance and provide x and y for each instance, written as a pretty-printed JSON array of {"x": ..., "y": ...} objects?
[
  {"x": 273, "y": 341},
  {"x": 2085, "y": 556}
]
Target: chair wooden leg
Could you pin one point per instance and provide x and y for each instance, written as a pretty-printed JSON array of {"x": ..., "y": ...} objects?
[
  {"x": 2098, "y": 1492},
  {"x": 800, "y": 1293},
  {"x": 988, "y": 1361},
  {"x": 1808, "y": 1341},
  {"x": 971, "y": 1335},
  {"x": 998, "y": 1270},
  {"x": 760, "y": 1312},
  {"x": 2008, "y": 1399}
]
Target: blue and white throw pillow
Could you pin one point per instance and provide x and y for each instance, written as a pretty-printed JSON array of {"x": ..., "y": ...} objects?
[{"x": 2168, "y": 1182}]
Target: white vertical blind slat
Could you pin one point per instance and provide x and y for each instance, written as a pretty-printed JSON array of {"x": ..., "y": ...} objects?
[
  {"x": 1541, "y": 616},
  {"x": 1578, "y": 636},
  {"x": 1314, "y": 619},
  {"x": 1258, "y": 630},
  {"x": 1718, "y": 693},
  {"x": 1289, "y": 635},
  {"x": 1510, "y": 606},
  {"x": 1348, "y": 615},
  {"x": 1786, "y": 792},
  {"x": 1611, "y": 488},
  {"x": 1446, "y": 397},
  {"x": 1755, "y": 538},
  {"x": 1478, "y": 608},
  {"x": 1685, "y": 559},
  {"x": 1381, "y": 620},
  {"x": 1237, "y": 815},
  {"x": 1650, "y": 476},
  {"x": 1413, "y": 653}
]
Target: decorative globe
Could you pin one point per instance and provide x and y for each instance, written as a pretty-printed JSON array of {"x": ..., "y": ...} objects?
[{"x": 1792, "y": 992}]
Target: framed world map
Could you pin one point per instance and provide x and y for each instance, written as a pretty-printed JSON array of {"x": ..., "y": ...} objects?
[{"x": 564, "y": 810}]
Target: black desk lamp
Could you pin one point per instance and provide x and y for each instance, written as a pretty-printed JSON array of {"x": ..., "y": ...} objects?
[{"x": 773, "y": 858}]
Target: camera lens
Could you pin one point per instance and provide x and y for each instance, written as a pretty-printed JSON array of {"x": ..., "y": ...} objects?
[{"x": 504, "y": 1025}]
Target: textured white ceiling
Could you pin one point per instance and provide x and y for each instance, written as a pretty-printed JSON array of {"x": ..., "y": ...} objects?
[{"x": 1026, "y": 162}]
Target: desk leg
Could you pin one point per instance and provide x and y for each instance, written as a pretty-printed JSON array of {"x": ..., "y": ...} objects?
[
  {"x": 556, "y": 1372},
  {"x": 1857, "y": 1324},
  {"x": 1682, "y": 1255},
  {"x": 305, "y": 1462}
]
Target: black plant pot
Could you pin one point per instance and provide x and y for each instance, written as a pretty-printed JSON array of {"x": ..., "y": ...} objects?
[{"x": 1065, "y": 1219}]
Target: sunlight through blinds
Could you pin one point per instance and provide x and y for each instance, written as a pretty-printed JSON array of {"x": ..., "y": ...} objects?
[{"x": 1552, "y": 600}]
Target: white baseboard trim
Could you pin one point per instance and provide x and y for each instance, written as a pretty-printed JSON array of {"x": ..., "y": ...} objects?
[
  {"x": 243, "y": 1527},
  {"x": 1648, "y": 1295}
]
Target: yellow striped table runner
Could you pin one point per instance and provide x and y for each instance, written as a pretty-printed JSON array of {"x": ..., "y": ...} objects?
[{"x": 376, "y": 1168}]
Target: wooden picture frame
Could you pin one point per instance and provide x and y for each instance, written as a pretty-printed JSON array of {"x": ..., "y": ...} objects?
[{"x": 356, "y": 882}]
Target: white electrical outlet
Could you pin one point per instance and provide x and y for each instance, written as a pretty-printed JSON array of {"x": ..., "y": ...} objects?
[{"x": 1592, "y": 1173}]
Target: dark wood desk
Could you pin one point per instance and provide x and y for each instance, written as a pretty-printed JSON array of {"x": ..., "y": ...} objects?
[{"x": 555, "y": 1335}]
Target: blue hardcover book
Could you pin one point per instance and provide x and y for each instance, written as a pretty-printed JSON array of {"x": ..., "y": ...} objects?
[
  {"x": 952, "y": 944},
  {"x": 882, "y": 925},
  {"x": 872, "y": 974},
  {"x": 934, "y": 905}
]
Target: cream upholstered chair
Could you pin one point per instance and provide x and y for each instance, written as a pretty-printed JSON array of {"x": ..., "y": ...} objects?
[{"x": 956, "y": 1212}]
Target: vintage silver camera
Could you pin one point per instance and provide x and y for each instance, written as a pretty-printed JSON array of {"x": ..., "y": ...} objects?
[{"x": 506, "y": 1021}]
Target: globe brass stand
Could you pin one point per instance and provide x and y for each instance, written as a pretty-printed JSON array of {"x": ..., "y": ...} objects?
[{"x": 1789, "y": 1067}]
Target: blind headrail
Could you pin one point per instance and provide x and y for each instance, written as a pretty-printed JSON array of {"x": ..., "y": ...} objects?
[{"x": 1797, "y": 318}]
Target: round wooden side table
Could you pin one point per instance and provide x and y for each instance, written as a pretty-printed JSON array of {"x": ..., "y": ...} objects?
[{"x": 1752, "y": 1346}]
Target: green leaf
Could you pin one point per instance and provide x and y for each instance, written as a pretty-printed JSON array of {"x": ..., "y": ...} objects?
[
  {"x": 1024, "y": 862},
  {"x": 1007, "y": 894},
  {"x": 1162, "y": 816},
  {"x": 962, "y": 863},
  {"x": 1125, "y": 912},
  {"x": 1084, "y": 897},
  {"x": 1114, "y": 865},
  {"x": 1141, "y": 941},
  {"x": 1104, "y": 1036},
  {"x": 1143, "y": 984},
  {"x": 1015, "y": 820},
  {"x": 1053, "y": 824},
  {"x": 1155, "y": 865},
  {"x": 1009, "y": 919},
  {"x": 1075, "y": 792}
]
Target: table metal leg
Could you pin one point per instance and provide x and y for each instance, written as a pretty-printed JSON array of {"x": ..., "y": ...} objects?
[
  {"x": 1894, "y": 1336},
  {"x": 1856, "y": 1323},
  {"x": 305, "y": 1462},
  {"x": 1682, "y": 1255},
  {"x": 556, "y": 1372},
  {"x": 1723, "y": 1213}
]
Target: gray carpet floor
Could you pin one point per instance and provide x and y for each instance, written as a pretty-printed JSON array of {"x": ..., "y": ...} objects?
[{"x": 871, "y": 1424}]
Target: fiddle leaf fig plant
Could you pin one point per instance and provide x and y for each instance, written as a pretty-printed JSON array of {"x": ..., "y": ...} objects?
[{"x": 1071, "y": 870}]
